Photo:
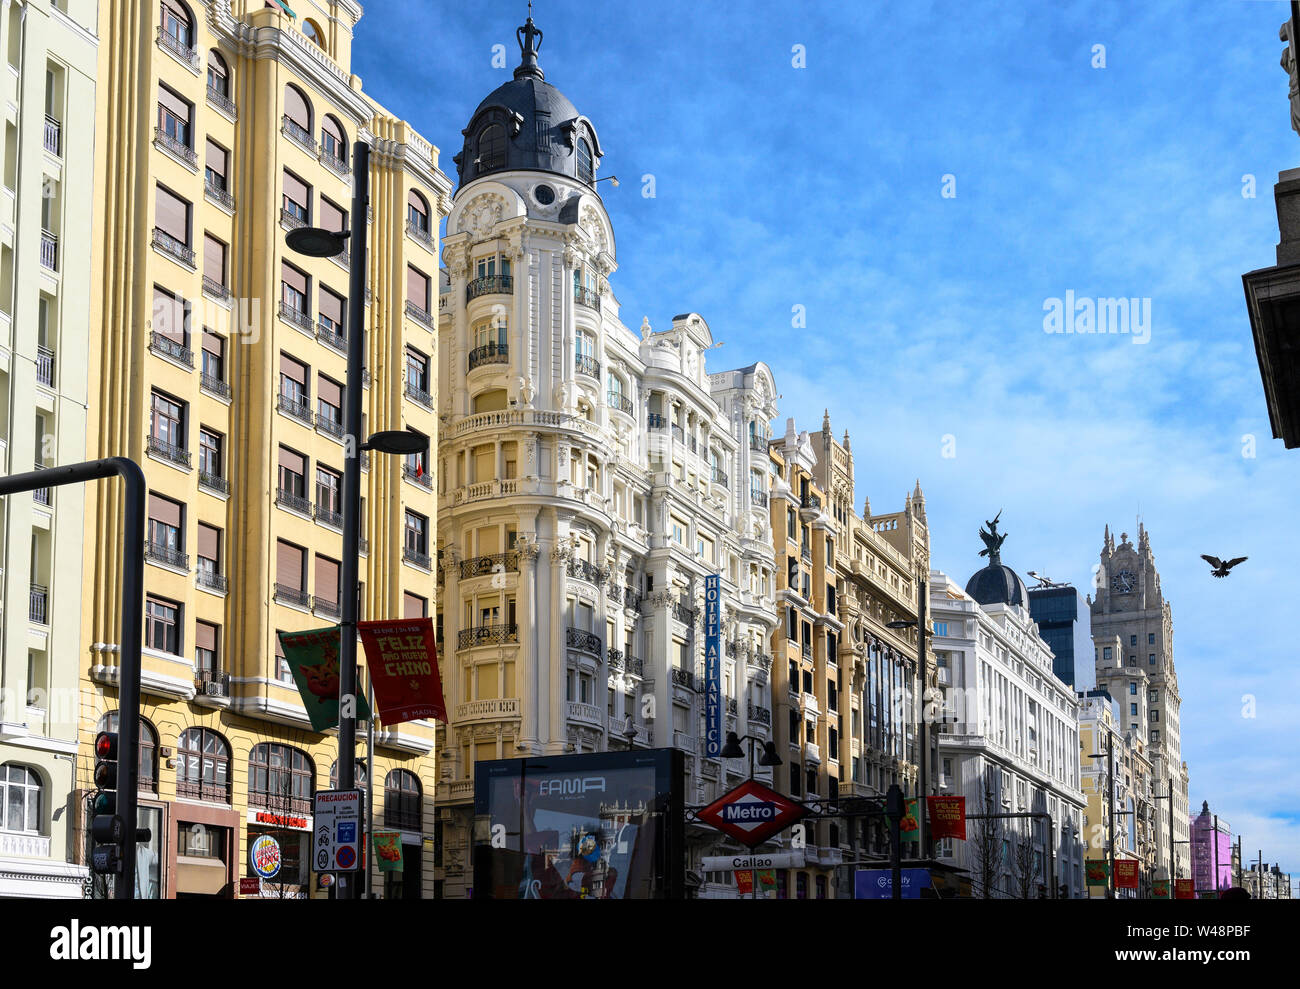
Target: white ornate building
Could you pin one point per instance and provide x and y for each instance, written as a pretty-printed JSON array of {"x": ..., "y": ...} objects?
[
  {"x": 1010, "y": 738},
  {"x": 589, "y": 478}
]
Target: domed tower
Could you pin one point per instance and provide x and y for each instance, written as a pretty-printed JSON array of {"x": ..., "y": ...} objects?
[{"x": 996, "y": 583}]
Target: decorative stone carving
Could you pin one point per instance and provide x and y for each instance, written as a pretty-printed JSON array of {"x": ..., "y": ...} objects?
[
  {"x": 482, "y": 214},
  {"x": 594, "y": 228},
  {"x": 645, "y": 329},
  {"x": 527, "y": 548},
  {"x": 524, "y": 390}
]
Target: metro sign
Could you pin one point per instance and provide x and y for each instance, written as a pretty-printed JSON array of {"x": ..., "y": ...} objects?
[{"x": 751, "y": 813}]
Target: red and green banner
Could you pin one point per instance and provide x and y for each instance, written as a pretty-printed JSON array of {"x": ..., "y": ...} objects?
[
  {"x": 1097, "y": 871},
  {"x": 1160, "y": 889},
  {"x": 1183, "y": 890},
  {"x": 313, "y": 659},
  {"x": 1126, "y": 873},
  {"x": 388, "y": 851},
  {"x": 745, "y": 881},
  {"x": 403, "y": 664},
  {"x": 909, "y": 828},
  {"x": 947, "y": 817},
  {"x": 766, "y": 879}
]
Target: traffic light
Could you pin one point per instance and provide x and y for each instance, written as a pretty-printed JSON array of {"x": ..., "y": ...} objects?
[{"x": 106, "y": 826}]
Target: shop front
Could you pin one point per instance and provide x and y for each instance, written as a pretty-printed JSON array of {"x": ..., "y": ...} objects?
[{"x": 292, "y": 835}]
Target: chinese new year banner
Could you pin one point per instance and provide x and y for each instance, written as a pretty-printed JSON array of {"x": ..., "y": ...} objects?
[
  {"x": 1183, "y": 890},
  {"x": 909, "y": 828},
  {"x": 313, "y": 659},
  {"x": 1098, "y": 872},
  {"x": 947, "y": 817},
  {"x": 388, "y": 851},
  {"x": 403, "y": 664},
  {"x": 1126, "y": 873},
  {"x": 1160, "y": 889}
]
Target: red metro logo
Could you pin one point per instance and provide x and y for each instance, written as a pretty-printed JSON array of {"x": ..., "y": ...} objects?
[{"x": 751, "y": 813}]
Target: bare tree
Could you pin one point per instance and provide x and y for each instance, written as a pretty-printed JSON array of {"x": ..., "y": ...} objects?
[
  {"x": 1026, "y": 862},
  {"x": 985, "y": 843}
]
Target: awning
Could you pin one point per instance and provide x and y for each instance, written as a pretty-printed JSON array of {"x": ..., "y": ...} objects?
[{"x": 200, "y": 875}]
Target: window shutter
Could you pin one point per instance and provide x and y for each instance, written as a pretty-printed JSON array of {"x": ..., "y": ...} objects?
[
  {"x": 209, "y": 541},
  {"x": 289, "y": 564},
  {"x": 292, "y": 277},
  {"x": 417, "y": 287},
  {"x": 413, "y": 606},
  {"x": 330, "y": 392},
  {"x": 164, "y": 510},
  {"x": 417, "y": 203},
  {"x": 331, "y": 305},
  {"x": 292, "y": 461},
  {"x": 174, "y": 103},
  {"x": 168, "y": 316},
  {"x": 293, "y": 370},
  {"x": 331, "y": 217},
  {"x": 327, "y": 580},
  {"x": 214, "y": 259},
  {"x": 172, "y": 215},
  {"x": 295, "y": 188},
  {"x": 205, "y": 636},
  {"x": 216, "y": 158},
  {"x": 214, "y": 344},
  {"x": 295, "y": 108}
]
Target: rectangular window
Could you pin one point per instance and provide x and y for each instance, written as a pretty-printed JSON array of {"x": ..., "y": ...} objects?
[
  {"x": 294, "y": 287},
  {"x": 172, "y": 216},
  {"x": 417, "y": 369},
  {"x": 174, "y": 117},
  {"x": 290, "y": 566},
  {"x": 1132, "y": 640},
  {"x": 214, "y": 356},
  {"x": 1151, "y": 638},
  {"x": 216, "y": 166},
  {"x": 210, "y": 460},
  {"x": 327, "y": 580},
  {"x": 162, "y": 625},
  {"x": 166, "y": 421},
  {"x": 417, "y": 288},
  {"x": 293, "y": 472},
  {"x": 297, "y": 198},
  {"x": 209, "y": 555},
  {"x": 417, "y": 532},
  {"x": 414, "y": 606},
  {"x": 214, "y": 260},
  {"x": 332, "y": 217},
  {"x": 206, "y": 636},
  {"x": 293, "y": 380},
  {"x": 329, "y": 400},
  {"x": 1151, "y": 659},
  {"x": 331, "y": 308},
  {"x": 171, "y": 318},
  {"x": 166, "y": 524},
  {"x": 1105, "y": 652},
  {"x": 1133, "y": 710},
  {"x": 941, "y": 628}
]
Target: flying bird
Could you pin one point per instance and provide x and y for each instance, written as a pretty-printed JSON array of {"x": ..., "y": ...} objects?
[{"x": 1220, "y": 568}]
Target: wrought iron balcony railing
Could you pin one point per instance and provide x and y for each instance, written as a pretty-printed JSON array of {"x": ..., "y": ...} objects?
[
  {"x": 329, "y": 516},
  {"x": 180, "y": 149},
  {"x": 330, "y": 425},
  {"x": 581, "y": 639},
  {"x": 418, "y": 395},
  {"x": 291, "y": 499},
  {"x": 291, "y": 129},
  {"x": 622, "y": 403},
  {"x": 585, "y": 364},
  {"x": 482, "y": 566},
  {"x": 489, "y": 285},
  {"x": 297, "y": 317},
  {"x": 214, "y": 482},
  {"x": 291, "y": 406},
  {"x": 759, "y": 715},
  {"x": 586, "y": 297},
  {"x": 167, "y": 347},
  {"x": 210, "y": 579},
  {"x": 285, "y": 594},
  {"x": 419, "y": 314},
  {"x": 492, "y": 353},
  {"x": 683, "y": 678},
  {"x": 168, "y": 555},
  {"x": 415, "y": 556},
  {"x": 654, "y": 420},
  {"x": 421, "y": 234},
  {"x": 483, "y": 635},
  {"x": 168, "y": 451},
  {"x": 222, "y": 102},
  {"x": 758, "y": 499},
  {"x": 219, "y": 195},
  {"x": 328, "y": 334},
  {"x": 215, "y": 385},
  {"x": 178, "y": 48},
  {"x": 424, "y": 479}
]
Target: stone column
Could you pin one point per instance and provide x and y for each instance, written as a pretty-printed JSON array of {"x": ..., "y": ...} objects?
[{"x": 526, "y": 669}]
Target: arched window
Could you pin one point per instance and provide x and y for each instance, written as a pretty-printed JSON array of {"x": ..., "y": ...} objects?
[
  {"x": 584, "y": 160},
  {"x": 359, "y": 773},
  {"x": 491, "y": 148},
  {"x": 218, "y": 74},
  {"x": 148, "y": 768},
  {"x": 297, "y": 111},
  {"x": 402, "y": 795},
  {"x": 417, "y": 213},
  {"x": 20, "y": 799},
  {"x": 281, "y": 778},
  {"x": 332, "y": 140},
  {"x": 617, "y": 395},
  {"x": 314, "y": 33},
  {"x": 204, "y": 772},
  {"x": 177, "y": 23}
]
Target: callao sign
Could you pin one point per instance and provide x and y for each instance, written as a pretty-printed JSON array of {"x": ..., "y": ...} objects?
[{"x": 751, "y": 813}]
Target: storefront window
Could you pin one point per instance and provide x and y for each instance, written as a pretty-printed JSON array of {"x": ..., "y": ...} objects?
[
  {"x": 291, "y": 881},
  {"x": 148, "y": 855}
]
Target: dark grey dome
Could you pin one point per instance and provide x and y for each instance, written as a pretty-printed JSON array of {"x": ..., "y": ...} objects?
[
  {"x": 998, "y": 584},
  {"x": 528, "y": 124}
]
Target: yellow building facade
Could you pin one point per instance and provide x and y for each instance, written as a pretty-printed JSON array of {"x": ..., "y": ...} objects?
[{"x": 218, "y": 362}]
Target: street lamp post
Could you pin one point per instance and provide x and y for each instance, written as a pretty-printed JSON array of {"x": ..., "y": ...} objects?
[
  {"x": 732, "y": 750},
  {"x": 922, "y": 652},
  {"x": 1109, "y": 756},
  {"x": 316, "y": 242}
]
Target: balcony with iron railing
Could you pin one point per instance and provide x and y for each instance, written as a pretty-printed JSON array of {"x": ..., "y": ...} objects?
[
  {"x": 53, "y": 136},
  {"x": 584, "y": 641},
  {"x": 759, "y": 715},
  {"x": 172, "y": 247},
  {"x": 223, "y": 103},
  {"x": 418, "y": 395},
  {"x": 204, "y": 681},
  {"x": 168, "y": 556},
  {"x": 758, "y": 443},
  {"x": 483, "y": 566},
  {"x": 489, "y": 285},
  {"x": 178, "y": 48},
  {"x": 328, "y": 516},
  {"x": 219, "y": 195},
  {"x": 44, "y": 365},
  {"x": 678, "y": 433},
  {"x": 422, "y": 478},
  {"x": 682, "y": 613},
  {"x": 484, "y": 635},
  {"x": 292, "y": 500},
  {"x": 585, "y": 570},
  {"x": 277, "y": 803},
  {"x": 292, "y": 407},
  {"x": 330, "y": 425},
  {"x": 421, "y": 560},
  {"x": 419, "y": 314},
  {"x": 492, "y": 353},
  {"x": 634, "y": 665},
  {"x": 39, "y": 604},
  {"x": 297, "y": 317},
  {"x": 327, "y": 332},
  {"x": 421, "y": 234},
  {"x": 588, "y": 365},
  {"x": 615, "y": 660},
  {"x": 586, "y": 297},
  {"x": 683, "y": 678},
  {"x": 335, "y": 164},
  {"x": 654, "y": 420},
  {"x": 293, "y": 219},
  {"x": 325, "y": 608},
  {"x": 758, "y": 499},
  {"x": 621, "y": 403},
  {"x": 296, "y": 596},
  {"x": 49, "y": 250},
  {"x": 165, "y": 346},
  {"x": 215, "y": 289},
  {"x": 296, "y": 133},
  {"x": 176, "y": 148},
  {"x": 214, "y": 385},
  {"x": 210, "y": 579},
  {"x": 720, "y": 478},
  {"x": 168, "y": 451}
]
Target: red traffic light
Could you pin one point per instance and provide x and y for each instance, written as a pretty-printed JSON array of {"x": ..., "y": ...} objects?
[{"x": 106, "y": 745}]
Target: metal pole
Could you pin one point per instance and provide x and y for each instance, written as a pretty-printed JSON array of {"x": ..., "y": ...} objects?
[
  {"x": 352, "y": 484},
  {"x": 922, "y": 809},
  {"x": 1110, "y": 810},
  {"x": 131, "y": 631},
  {"x": 370, "y": 789},
  {"x": 1259, "y": 885},
  {"x": 1172, "y": 860},
  {"x": 1216, "y": 853}
]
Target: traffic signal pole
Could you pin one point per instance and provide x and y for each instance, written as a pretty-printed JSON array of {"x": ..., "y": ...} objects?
[{"x": 130, "y": 632}]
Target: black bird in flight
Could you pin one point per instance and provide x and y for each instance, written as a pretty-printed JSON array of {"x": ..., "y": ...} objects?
[{"x": 1220, "y": 568}]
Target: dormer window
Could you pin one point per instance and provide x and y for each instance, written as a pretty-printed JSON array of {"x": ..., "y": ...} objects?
[
  {"x": 584, "y": 161},
  {"x": 491, "y": 148}
]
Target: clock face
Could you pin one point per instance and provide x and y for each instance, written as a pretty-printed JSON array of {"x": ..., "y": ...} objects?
[{"x": 1123, "y": 582}]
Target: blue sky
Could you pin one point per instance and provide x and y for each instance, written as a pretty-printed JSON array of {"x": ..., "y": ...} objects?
[{"x": 820, "y": 187}]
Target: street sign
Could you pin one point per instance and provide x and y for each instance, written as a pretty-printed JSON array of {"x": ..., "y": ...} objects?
[
  {"x": 751, "y": 813},
  {"x": 250, "y": 886},
  {"x": 265, "y": 856},
  {"x": 878, "y": 884},
  {"x": 336, "y": 815},
  {"x": 735, "y": 863}
]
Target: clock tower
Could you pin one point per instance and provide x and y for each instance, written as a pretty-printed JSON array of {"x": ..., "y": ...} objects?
[{"x": 1133, "y": 637}]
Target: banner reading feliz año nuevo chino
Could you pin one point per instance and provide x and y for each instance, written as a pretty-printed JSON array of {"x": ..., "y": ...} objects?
[
  {"x": 947, "y": 817},
  {"x": 403, "y": 664}
]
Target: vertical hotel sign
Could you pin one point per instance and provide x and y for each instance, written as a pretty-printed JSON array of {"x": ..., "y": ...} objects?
[{"x": 712, "y": 667}]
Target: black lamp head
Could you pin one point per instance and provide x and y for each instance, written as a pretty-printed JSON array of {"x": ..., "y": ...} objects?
[
  {"x": 402, "y": 442},
  {"x": 316, "y": 242},
  {"x": 732, "y": 749}
]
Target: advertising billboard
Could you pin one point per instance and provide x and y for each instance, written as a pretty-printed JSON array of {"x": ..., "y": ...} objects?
[{"x": 604, "y": 826}]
